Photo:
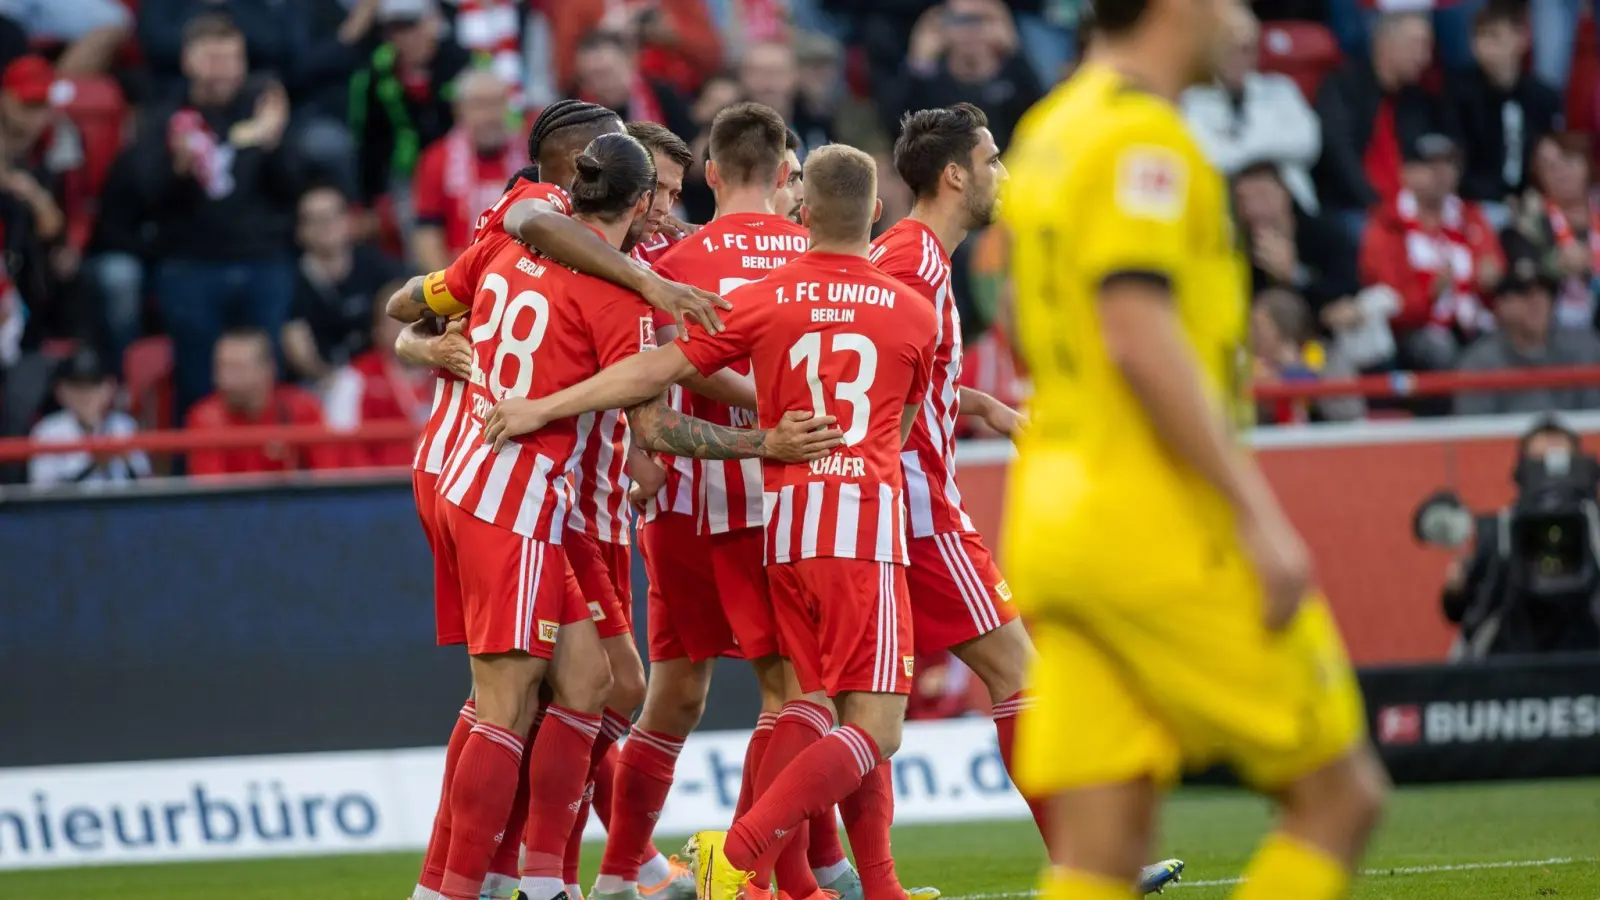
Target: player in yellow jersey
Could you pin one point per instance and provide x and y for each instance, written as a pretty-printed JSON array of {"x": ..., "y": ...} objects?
[{"x": 1168, "y": 593}]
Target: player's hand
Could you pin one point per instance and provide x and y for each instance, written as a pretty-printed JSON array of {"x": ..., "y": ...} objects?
[
  {"x": 646, "y": 482},
  {"x": 1004, "y": 420},
  {"x": 683, "y": 229},
  {"x": 452, "y": 350},
  {"x": 511, "y": 418},
  {"x": 801, "y": 436},
  {"x": 1283, "y": 564},
  {"x": 685, "y": 304}
]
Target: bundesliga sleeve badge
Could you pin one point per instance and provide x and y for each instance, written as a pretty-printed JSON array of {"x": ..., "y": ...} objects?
[{"x": 1151, "y": 182}]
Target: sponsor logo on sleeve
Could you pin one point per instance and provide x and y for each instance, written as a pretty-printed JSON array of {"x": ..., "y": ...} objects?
[
  {"x": 1151, "y": 183},
  {"x": 647, "y": 333}
]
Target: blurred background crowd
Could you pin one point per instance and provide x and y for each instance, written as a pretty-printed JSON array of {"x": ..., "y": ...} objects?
[{"x": 204, "y": 202}]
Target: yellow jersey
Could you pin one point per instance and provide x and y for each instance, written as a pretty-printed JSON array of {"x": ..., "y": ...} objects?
[{"x": 1107, "y": 183}]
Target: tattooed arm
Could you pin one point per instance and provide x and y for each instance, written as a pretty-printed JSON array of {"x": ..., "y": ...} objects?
[
  {"x": 662, "y": 429},
  {"x": 408, "y": 304}
]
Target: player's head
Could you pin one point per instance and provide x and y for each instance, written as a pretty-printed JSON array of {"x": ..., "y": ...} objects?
[
  {"x": 672, "y": 158},
  {"x": 243, "y": 369},
  {"x": 616, "y": 182},
  {"x": 949, "y": 152},
  {"x": 560, "y": 134},
  {"x": 841, "y": 195},
  {"x": 1194, "y": 32},
  {"x": 792, "y": 195},
  {"x": 746, "y": 148}
]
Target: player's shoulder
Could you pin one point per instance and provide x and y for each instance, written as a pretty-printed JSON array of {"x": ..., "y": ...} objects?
[{"x": 1092, "y": 118}]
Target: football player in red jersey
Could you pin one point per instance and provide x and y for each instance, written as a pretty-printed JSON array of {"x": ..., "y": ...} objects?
[
  {"x": 541, "y": 326},
  {"x": 673, "y": 159},
  {"x": 831, "y": 333}
]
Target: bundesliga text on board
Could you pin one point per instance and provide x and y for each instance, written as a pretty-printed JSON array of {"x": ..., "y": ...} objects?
[
  {"x": 1467, "y": 722},
  {"x": 372, "y": 801}
]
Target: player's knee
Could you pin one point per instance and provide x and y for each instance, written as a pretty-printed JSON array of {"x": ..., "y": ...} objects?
[
  {"x": 1000, "y": 659},
  {"x": 584, "y": 685},
  {"x": 1367, "y": 792},
  {"x": 627, "y": 686},
  {"x": 881, "y": 716}
]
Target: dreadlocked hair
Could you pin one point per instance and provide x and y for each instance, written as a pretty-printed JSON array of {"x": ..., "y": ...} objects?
[{"x": 563, "y": 114}]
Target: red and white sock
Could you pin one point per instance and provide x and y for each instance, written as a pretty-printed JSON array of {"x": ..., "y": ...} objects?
[
  {"x": 506, "y": 864},
  {"x": 867, "y": 814},
  {"x": 1005, "y": 727},
  {"x": 801, "y": 723},
  {"x": 481, "y": 793},
  {"x": 644, "y": 778},
  {"x": 753, "y": 753},
  {"x": 613, "y": 727},
  {"x": 825, "y": 853},
  {"x": 558, "y": 769},
  {"x": 827, "y": 772},
  {"x": 433, "y": 860}
]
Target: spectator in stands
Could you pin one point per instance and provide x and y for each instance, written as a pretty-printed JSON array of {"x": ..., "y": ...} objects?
[
  {"x": 1282, "y": 339},
  {"x": 89, "y": 31},
  {"x": 1294, "y": 250},
  {"x": 1437, "y": 252},
  {"x": 377, "y": 387},
  {"x": 221, "y": 187},
  {"x": 964, "y": 50},
  {"x": 1248, "y": 117},
  {"x": 1561, "y": 220},
  {"x": 769, "y": 73},
  {"x": 676, "y": 40},
  {"x": 248, "y": 393},
  {"x": 1554, "y": 24},
  {"x": 87, "y": 394},
  {"x": 122, "y": 246},
  {"x": 331, "y": 320},
  {"x": 339, "y": 36},
  {"x": 400, "y": 101},
  {"x": 1502, "y": 112},
  {"x": 1525, "y": 340},
  {"x": 607, "y": 74},
  {"x": 1369, "y": 110},
  {"x": 719, "y": 92},
  {"x": 270, "y": 30},
  {"x": 465, "y": 172}
]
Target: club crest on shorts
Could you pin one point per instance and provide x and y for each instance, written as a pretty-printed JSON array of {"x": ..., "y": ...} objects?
[
  {"x": 1003, "y": 590},
  {"x": 547, "y": 631},
  {"x": 647, "y": 333},
  {"x": 910, "y": 663},
  {"x": 596, "y": 611}
]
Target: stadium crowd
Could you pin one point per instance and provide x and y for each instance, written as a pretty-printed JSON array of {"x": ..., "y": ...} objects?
[{"x": 205, "y": 201}]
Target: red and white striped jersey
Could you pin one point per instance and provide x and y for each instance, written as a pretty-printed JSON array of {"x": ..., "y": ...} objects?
[
  {"x": 446, "y": 421},
  {"x": 730, "y": 252},
  {"x": 648, "y": 251},
  {"x": 911, "y": 253},
  {"x": 677, "y": 492},
  {"x": 540, "y": 327},
  {"x": 832, "y": 334},
  {"x": 600, "y": 481}
]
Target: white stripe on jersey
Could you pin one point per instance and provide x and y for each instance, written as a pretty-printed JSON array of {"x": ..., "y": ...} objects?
[
  {"x": 780, "y": 537},
  {"x": 917, "y": 492},
  {"x": 844, "y": 539},
  {"x": 813, "y": 519}
]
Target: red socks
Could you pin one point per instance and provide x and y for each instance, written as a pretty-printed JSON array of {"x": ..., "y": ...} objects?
[
  {"x": 800, "y": 724},
  {"x": 825, "y": 849},
  {"x": 613, "y": 727},
  {"x": 439, "y": 844},
  {"x": 481, "y": 793},
  {"x": 644, "y": 777},
  {"x": 753, "y": 752},
  {"x": 867, "y": 815},
  {"x": 827, "y": 772},
  {"x": 605, "y": 781},
  {"x": 1005, "y": 726},
  {"x": 558, "y": 770},
  {"x": 507, "y": 859}
]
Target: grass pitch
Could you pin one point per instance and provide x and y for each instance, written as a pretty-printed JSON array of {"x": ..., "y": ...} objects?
[{"x": 1476, "y": 842}]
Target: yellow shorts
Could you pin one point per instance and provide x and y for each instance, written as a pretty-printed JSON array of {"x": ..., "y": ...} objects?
[{"x": 1148, "y": 687}]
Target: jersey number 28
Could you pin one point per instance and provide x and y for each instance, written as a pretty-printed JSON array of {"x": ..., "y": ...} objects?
[
  {"x": 501, "y": 323},
  {"x": 807, "y": 352}
]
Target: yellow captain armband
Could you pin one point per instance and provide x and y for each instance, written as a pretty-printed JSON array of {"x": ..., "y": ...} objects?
[{"x": 438, "y": 297}]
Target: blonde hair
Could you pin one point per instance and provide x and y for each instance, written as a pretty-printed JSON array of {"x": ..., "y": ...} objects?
[{"x": 841, "y": 193}]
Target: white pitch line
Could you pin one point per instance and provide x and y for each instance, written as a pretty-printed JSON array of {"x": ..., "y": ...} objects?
[{"x": 1369, "y": 873}]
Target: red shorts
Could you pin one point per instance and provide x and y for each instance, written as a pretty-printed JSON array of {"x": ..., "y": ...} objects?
[
  {"x": 738, "y": 560},
  {"x": 449, "y": 627},
  {"x": 604, "y": 571},
  {"x": 846, "y": 624},
  {"x": 957, "y": 593},
  {"x": 516, "y": 592},
  {"x": 686, "y": 619}
]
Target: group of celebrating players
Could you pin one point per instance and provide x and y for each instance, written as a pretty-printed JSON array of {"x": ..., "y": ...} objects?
[
  {"x": 792, "y": 469},
  {"x": 793, "y": 473}
]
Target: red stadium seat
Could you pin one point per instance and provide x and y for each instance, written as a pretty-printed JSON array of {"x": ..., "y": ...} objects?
[
  {"x": 95, "y": 104},
  {"x": 147, "y": 374},
  {"x": 1304, "y": 51}
]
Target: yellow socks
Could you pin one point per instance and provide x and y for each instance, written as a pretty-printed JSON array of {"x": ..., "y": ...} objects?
[
  {"x": 1070, "y": 884},
  {"x": 1287, "y": 868}
]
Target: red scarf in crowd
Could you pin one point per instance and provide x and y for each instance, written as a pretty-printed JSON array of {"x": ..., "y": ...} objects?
[
  {"x": 493, "y": 28},
  {"x": 1447, "y": 246},
  {"x": 213, "y": 159},
  {"x": 1565, "y": 236},
  {"x": 466, "y": 184}
]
